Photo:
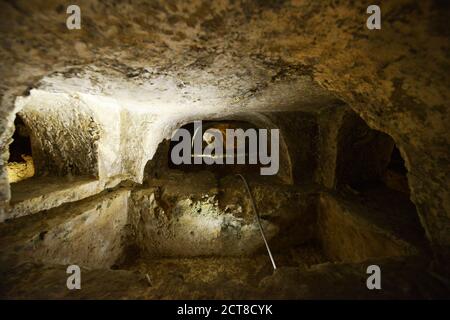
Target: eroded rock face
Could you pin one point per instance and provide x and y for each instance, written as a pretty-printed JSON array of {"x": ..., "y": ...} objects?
[
  {"x": 91, "y": 233},
  {"x": 64, "y": 138},
  {"x": 188, "y": 227},
  {"x": 213, "y": 218},
  {"x": 172, "y": 221},
  {"x": 348, "y": 233},
  {"x": 217, "y": 57}
]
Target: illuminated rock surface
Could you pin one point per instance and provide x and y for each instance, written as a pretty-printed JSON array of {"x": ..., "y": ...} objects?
[{"x": 100, "y": 104}]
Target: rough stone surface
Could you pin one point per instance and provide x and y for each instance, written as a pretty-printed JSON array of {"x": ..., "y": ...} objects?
[
  {"x": 249, "y": 55},
  {"x": 351, "y": 232},
  {"x": 209, "y": 278},
  {"x": 99, "y": 101},
  {"x": 44, "y": 193},
  {"x": 171, "y": 242},
  {"x": 90, "y": 233},
  {"x": 215, "y": 218}
]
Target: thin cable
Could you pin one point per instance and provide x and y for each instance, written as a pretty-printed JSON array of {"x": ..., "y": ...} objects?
[
  {"x": 193, "y": 138},
  {"x": 258, "y": 220}
]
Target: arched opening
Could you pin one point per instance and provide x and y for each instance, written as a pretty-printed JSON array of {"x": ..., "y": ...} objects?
[
  {"x": 208, "y": 207},
  {"x": 20, "y": 163},
  {"x": 243, "y": 153},
  {"x": 369, "y": 159},
  {"x": 53, "y": 154},
  {"x": 371, "y": 185}
]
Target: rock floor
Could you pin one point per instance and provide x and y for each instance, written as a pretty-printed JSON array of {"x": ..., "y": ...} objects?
[{"x": 31, "y": 266}]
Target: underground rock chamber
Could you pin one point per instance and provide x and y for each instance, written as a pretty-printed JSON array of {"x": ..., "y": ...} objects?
[
  {"x": 190, "y": 231},
  {"x": 87, "y": 117}
]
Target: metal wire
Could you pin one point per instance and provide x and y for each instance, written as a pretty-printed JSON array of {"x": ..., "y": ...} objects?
[{"x": 258, "y": 220}]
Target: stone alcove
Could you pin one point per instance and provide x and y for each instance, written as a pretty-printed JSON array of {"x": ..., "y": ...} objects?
[{"x": 20, "y": 163}]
